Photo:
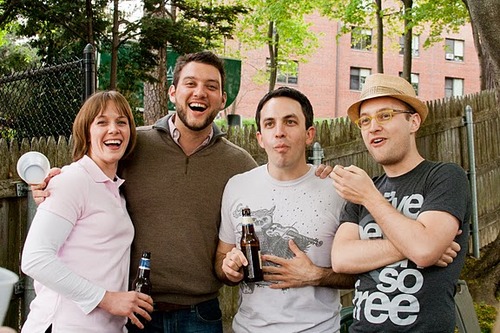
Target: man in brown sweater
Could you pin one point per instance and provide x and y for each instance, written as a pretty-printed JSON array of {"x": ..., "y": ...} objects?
[{"x": 174, "y": 184}]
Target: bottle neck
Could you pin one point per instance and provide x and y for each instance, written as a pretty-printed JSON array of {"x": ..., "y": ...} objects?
[
  {"x": 247, "y": 224},
  {"x": 143, "y": 272},
  {"x": 144, "y": 269},
  {"x": 248, "y": 228}
]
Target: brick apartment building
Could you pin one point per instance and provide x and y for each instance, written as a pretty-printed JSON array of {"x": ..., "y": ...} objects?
[{"x": 333, "y": 76}]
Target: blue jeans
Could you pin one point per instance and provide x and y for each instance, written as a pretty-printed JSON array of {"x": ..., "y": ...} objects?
[{"x": 205, "y": 317}]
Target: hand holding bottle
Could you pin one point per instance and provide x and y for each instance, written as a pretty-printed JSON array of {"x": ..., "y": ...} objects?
[
  {"x": 250, "y": 246},
  {"x": 128, "y": 304},
  {"x": 244, "y": 263},
  {"x": 142, "y": 285},
  {"x": 233, "y": 263}
]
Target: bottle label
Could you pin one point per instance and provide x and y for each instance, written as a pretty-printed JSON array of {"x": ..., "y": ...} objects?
[
  {"x": 253, "y": 272},
  {"x": 246, "y": 220},
  {"x": 144, "y": 264}
]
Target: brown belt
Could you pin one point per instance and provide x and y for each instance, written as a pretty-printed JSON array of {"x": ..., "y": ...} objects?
[{"x": 168, "y": 307}]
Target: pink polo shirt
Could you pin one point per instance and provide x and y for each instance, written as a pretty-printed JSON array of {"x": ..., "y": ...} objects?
[{"x": 97, "y": 249}]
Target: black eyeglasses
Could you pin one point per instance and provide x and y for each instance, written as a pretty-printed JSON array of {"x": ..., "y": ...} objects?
[{"x": 381, "y": 117}]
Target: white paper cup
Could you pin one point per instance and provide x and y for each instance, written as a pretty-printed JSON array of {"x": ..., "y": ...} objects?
[
  {"x": 33, "y": 167},
  {"x": 7, "y": 281}
]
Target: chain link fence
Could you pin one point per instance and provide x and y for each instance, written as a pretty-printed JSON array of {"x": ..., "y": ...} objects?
[{"x": 41, "y": 102}]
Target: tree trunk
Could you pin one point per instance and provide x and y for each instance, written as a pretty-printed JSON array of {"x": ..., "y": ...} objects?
[
  {"x": 156, "y": 93},
  {"x": 90, "y": 25},
  {"x": 114, "y": 48},
  {"x": 380, "y": 37},
  {"x": 408, "y": 37},
  {"x": 273, "y": 39},
  {"x": 484, "y": 16},
  {"x": 485, "y": 62}
]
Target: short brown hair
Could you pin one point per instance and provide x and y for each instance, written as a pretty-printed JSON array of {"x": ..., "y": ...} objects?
[
  {"x": 203, "y": 57},
  {"x": 92, "y": 107}
]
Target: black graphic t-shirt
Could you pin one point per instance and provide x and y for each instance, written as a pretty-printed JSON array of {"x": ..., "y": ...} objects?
[{"x": 403, "y": 297}]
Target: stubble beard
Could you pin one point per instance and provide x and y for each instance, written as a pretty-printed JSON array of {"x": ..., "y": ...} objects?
[
  {"x": 389, "y": 158},
  {"x": 182, "y": 114}
]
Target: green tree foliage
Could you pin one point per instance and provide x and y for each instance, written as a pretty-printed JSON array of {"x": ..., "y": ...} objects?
[
  {"x": 185, "y": 26},
  {"x": 400, "y": 18},
  {"x": 61, "y": 28},
  {"x": 433, "y": 16},
  {"x": 66, "y": 26},
  {"x": 56, "y": 28},
  {"x": 15, "y": 57},
  {"x": 281, "y": 26},
  {"x": 438, "y": 17},
  {"x": 130, "y": 76},
  {"x": 208, "y": 22}
]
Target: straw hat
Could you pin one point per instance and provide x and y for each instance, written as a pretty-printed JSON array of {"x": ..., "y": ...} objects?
[{"x": 382, "y": 85}]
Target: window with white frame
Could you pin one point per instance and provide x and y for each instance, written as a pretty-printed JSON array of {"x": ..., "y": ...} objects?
[
  {"x": 415, "y": 45},
  {"x": 453, "y": 87},
  {"x": 361, "y": 38},
  {"x": 454, "y": 50},
  {"x": 358, "y": 77},
  {"x": 288, "y": 71},
  {"x": 414, "y": 80}
]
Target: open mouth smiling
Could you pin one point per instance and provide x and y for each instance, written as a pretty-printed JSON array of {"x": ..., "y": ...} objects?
[
  {"x": 115, "y": 143},
  {"x": 198, "y": 107},
  {"x": 377, "y": 140}
]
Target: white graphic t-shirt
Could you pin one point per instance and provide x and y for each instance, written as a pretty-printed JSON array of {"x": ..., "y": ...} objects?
[{"x": 305, "y": 210}]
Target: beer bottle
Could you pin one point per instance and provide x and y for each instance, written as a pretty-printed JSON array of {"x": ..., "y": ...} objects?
[
  {"x": 250, "y": 247},
  {"x": 142, "y": 283}
]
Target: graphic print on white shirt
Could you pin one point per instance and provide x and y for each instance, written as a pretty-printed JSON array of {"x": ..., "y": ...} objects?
[{"x": 273, "y": 238}]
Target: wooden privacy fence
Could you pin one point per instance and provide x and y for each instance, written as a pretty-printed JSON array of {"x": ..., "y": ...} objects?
[{"x": 442, "y": 137}]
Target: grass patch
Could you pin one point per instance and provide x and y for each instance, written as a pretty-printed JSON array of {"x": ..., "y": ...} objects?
[{"x": 486, "y": 315}]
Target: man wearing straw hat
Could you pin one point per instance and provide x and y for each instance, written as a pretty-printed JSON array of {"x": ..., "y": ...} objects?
[{"x": 397, "y": 228}]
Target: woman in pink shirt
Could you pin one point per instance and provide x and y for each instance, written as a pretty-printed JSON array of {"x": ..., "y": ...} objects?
[{"x": 78, "y": 246}]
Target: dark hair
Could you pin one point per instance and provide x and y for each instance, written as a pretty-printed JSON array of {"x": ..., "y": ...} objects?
[
  {"x": 204, "y": 57},
  {"x": 294, "y": 94},
  {"x": 93, "y": 107}
]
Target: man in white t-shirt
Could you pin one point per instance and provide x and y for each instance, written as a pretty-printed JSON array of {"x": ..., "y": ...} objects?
[{"x": 296, "y": 216}]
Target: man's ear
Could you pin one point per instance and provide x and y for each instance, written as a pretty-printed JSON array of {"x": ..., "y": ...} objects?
[
  {"x": 310, "y": 133},
  {"x": 259, "y": 139},
  {"x": 416, "y": 121},
  {"x": 171, "y": 94},
  {"x": 224, "y": 100}
]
